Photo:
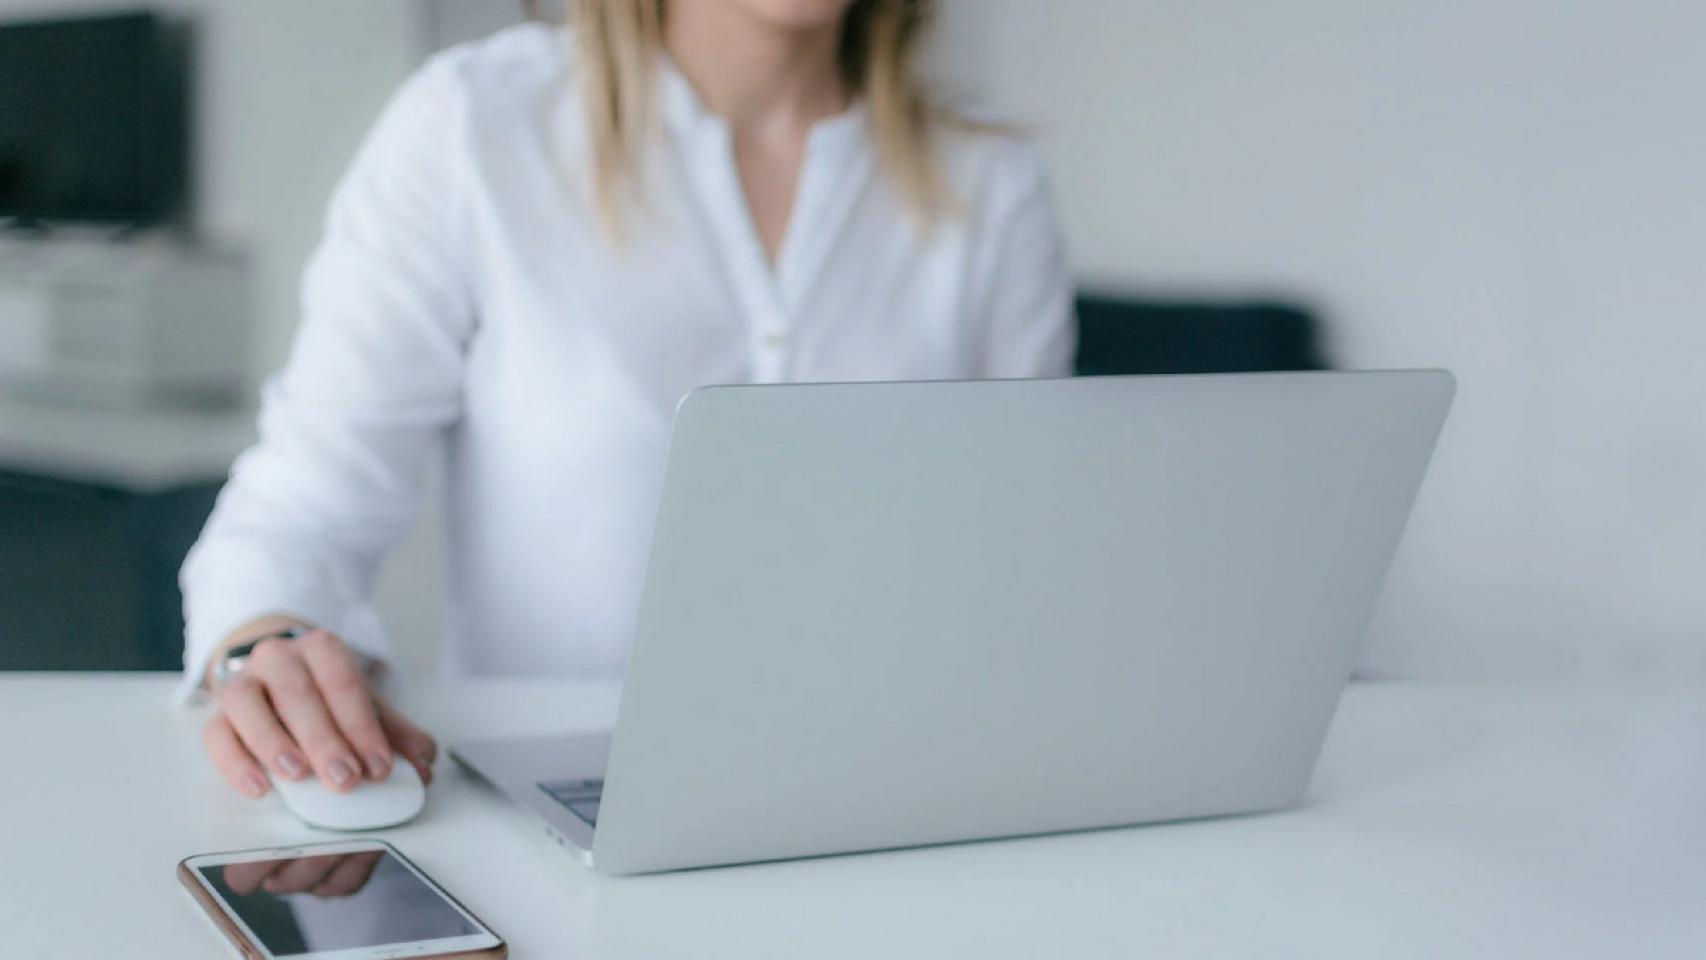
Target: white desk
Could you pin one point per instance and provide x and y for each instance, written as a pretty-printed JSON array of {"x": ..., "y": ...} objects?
[{"x": 1456, "y": 821}]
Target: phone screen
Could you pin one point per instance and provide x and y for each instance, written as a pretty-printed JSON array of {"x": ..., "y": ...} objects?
[{"x": 334, "y": 901}]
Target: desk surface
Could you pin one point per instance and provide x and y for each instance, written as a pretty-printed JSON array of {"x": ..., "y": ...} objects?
[{"x": 1445, "y": 820}]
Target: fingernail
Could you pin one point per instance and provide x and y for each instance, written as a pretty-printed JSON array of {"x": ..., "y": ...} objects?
[
  {"x": 377, "y": 766},
  {"x": 291, "y": 764},
  {"x": 253, "y": 785},
  {"x": 339, "y": 771}
]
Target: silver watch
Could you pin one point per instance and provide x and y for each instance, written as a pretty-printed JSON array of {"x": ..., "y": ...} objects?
[{"x": 235, "y": 658}]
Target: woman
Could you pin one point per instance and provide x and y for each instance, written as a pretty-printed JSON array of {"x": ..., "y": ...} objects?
[{"x": 549, "y": 238}]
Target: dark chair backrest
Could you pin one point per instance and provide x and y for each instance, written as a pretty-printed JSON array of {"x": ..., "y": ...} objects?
[{"x": 1121, "y": 334}]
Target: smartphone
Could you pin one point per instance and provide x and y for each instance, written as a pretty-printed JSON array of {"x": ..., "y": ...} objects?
[{"x": 351, "y": 900}]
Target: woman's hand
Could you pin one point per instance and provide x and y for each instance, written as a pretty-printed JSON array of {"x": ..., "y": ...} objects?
[{"x": 305, "y": 707}]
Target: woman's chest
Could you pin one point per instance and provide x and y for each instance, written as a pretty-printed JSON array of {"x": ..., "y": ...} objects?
[{"x": 685, "y": 296}]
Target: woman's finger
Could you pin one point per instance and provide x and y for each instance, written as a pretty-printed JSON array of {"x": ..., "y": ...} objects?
[
  {"x": 233, "y": 761},
  {"x": 337, "y": 673},
  {"x": 409, "y": 740},
  {"x": 297, "y": 700},
  {"x": 244, "y": 702}
]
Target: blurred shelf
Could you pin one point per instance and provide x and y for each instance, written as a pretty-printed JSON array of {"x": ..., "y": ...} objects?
[{"x": 138, "y": 450}]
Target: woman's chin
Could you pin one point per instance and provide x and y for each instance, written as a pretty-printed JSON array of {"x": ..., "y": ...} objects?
[{"x": 795, "y": 14}]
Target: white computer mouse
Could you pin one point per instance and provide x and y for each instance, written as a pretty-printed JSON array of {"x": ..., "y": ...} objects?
[{"x": 370, "y": 806}]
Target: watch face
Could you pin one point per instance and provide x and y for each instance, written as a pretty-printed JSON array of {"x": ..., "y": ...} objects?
[{"x": 228, "y": 666}]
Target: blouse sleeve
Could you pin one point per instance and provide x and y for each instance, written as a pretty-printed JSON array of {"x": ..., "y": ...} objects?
[
  {"x": 373, "y": 380},
  {"x": 1029, "y": 324}
]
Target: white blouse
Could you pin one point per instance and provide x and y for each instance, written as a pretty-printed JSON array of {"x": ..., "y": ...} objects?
[{"x": 465, "y": 304}]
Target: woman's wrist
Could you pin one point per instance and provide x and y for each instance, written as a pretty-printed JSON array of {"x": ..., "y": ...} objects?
[{"x": 257, "y": 629}]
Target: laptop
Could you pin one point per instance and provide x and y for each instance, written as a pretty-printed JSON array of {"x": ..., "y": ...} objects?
[{"x": 882, "y": 615}]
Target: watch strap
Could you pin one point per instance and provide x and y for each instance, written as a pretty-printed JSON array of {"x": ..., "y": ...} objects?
[{"x": 234, "y": 658}]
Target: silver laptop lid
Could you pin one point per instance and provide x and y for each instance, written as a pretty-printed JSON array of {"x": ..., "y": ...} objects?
[{"x": 880, "y": 615}]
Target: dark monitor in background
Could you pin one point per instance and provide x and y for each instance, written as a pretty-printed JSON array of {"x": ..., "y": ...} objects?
[{"x": 94, "y": 120}]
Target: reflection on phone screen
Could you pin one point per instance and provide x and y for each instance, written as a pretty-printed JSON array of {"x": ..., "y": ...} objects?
[{"x": 334, "y": 901}]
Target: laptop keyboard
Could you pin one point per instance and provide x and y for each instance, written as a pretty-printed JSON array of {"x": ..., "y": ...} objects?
[{"x": 579, "y": 796}]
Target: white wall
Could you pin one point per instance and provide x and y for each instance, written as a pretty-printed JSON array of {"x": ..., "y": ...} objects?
[
  {"x": 1514, "y": 189},
  {"x": 444, "y": 22},
  {"x": 290, "y": 88}
]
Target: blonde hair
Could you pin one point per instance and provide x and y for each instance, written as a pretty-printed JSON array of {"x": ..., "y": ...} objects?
[{"x": 618, "y": 42}]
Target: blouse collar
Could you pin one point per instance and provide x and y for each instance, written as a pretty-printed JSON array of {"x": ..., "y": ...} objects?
[{"x": 686, "y": 115}]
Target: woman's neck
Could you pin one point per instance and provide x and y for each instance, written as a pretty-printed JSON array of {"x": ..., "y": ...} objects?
[{"x": 755, "y": 74}]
